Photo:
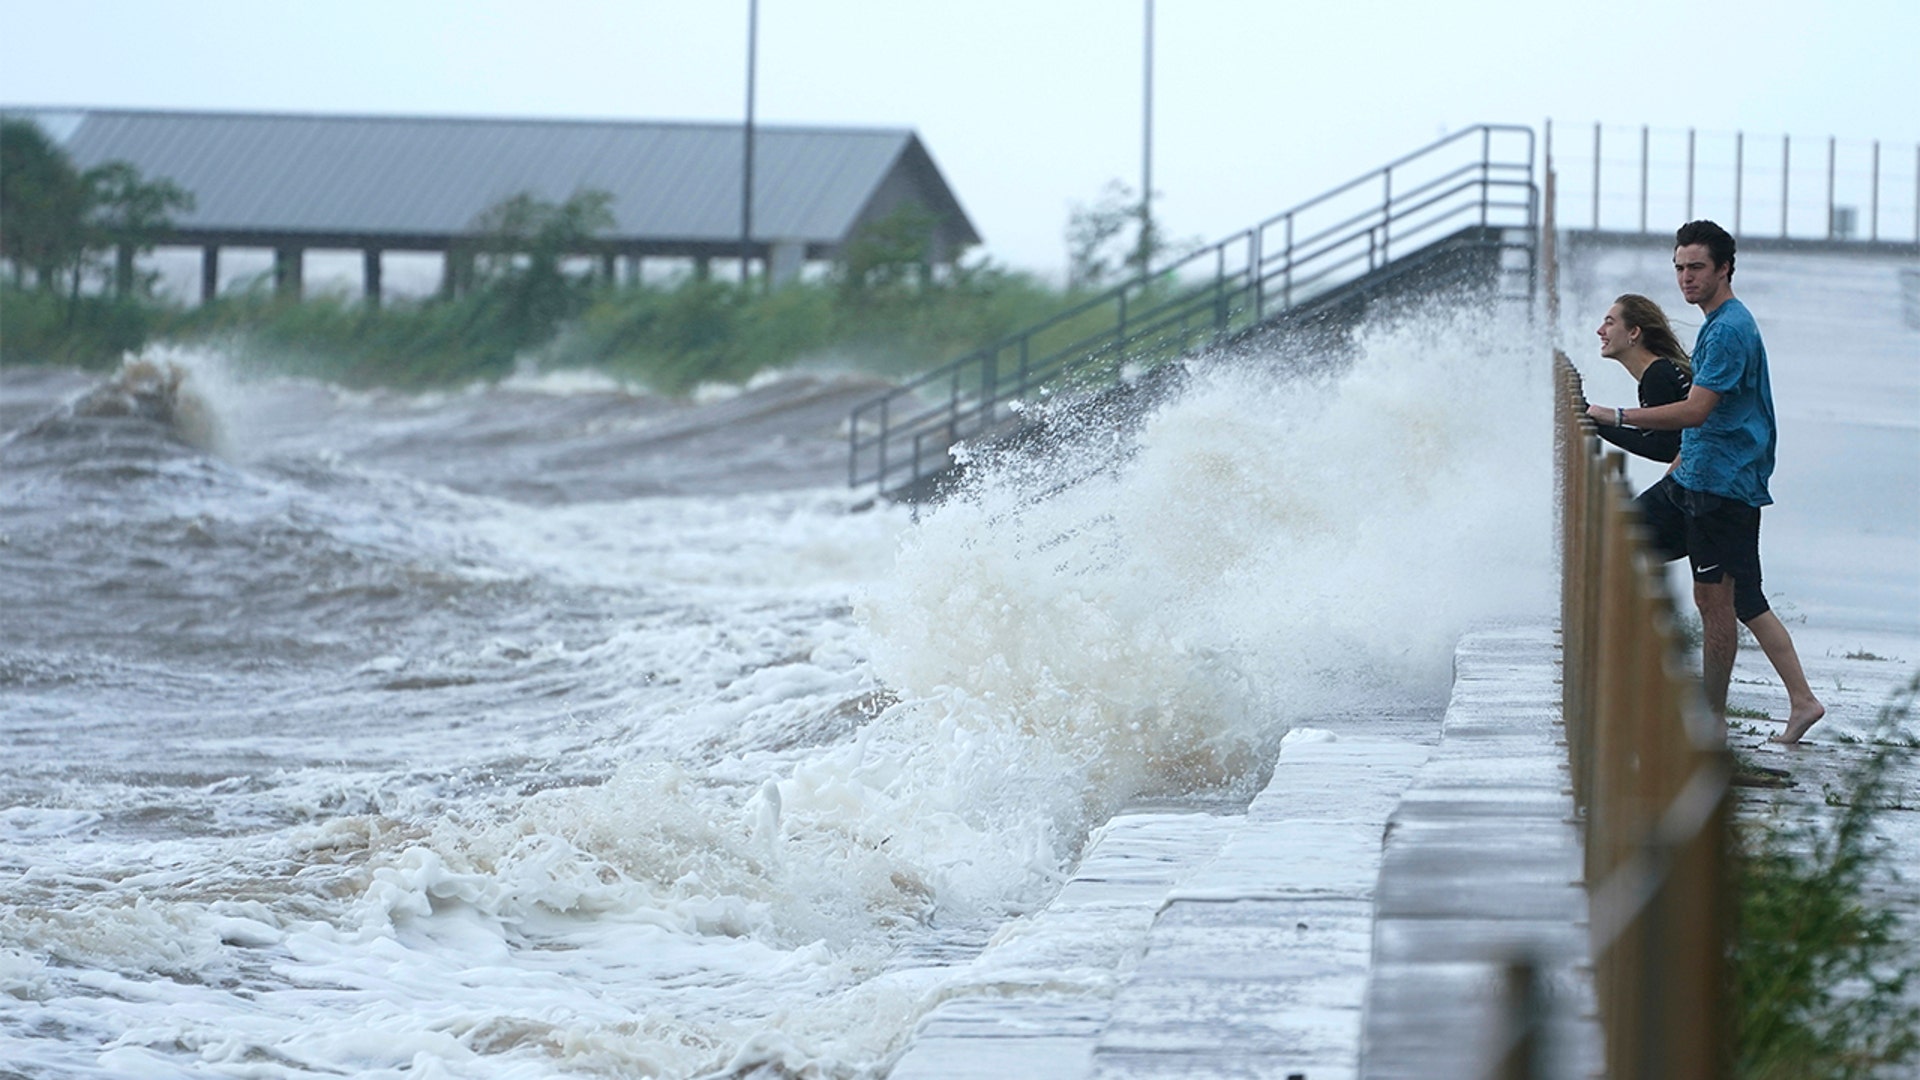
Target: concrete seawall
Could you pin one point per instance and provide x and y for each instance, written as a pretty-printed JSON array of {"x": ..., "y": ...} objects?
[{"x": 1355, "y": 921}]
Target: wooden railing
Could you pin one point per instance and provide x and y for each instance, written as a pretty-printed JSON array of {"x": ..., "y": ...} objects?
[{"x": 1650, "y": 776}]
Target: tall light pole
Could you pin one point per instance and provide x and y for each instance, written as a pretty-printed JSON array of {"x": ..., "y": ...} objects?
[
  {"x": 1145, "y": 251},
  {"x": 746, "y": 171}
]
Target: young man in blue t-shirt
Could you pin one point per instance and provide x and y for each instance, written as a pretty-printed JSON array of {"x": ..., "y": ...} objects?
[{"x": 1707, "y": 508}]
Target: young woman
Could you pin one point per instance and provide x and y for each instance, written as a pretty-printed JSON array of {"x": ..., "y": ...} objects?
[{"x": 1635, "y": 332}]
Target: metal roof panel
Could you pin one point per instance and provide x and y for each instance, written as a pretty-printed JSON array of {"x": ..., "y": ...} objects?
[{"x": 299, "y": 173}]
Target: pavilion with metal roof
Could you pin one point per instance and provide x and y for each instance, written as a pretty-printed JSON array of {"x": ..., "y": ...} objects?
[{"x": 300, "y": 182}]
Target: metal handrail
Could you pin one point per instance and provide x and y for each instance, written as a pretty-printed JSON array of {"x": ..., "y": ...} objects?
[
  {"x": 1679, "y": 175},
  {"x": 1203, "y": 297}
]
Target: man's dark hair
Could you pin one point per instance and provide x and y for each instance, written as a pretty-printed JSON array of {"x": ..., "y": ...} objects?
[{"x": 1718, "y": 241}]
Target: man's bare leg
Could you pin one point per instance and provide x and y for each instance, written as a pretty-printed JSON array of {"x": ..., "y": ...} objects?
[
  {"x": 1803, "y": 709},
  {"x": 1720, "y": 641}
]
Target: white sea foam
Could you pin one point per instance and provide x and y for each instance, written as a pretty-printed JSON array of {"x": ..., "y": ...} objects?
[
  {"x": 1275, "y": 549},
  {"x": 565, "y": 382}
]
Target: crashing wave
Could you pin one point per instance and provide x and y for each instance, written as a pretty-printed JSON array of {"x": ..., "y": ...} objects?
[{"x": 158, "y": 391}]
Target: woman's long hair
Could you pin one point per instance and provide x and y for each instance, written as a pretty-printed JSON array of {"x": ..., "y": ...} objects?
[{"x": 1655, "y": 332}]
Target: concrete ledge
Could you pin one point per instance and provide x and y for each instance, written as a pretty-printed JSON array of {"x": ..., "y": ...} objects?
[
  {"x": 1257, "y": 966},
  {"x": 1482, "y": 865},
  {"x": 1036, "y": 1000}
]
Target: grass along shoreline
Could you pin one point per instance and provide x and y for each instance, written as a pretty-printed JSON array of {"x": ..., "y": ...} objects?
[{"x": 669, "y": 338}]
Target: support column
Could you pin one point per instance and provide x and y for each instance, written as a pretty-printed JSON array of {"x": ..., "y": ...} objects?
[
  {"x": 287, "y": 266},
  {"x": 122, "y": 270},
  {"x": 702, "y": 268},
  {"x": 370, "y": 276},
  {"x": 785, "y": 260},
  {"x": 456, "y": 275},
  {"x": 633, "y": 270},
  {"x": 209, "y": 273}
]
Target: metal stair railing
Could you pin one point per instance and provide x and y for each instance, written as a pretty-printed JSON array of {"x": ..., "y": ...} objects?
[{"x": 1478, "y": 178}]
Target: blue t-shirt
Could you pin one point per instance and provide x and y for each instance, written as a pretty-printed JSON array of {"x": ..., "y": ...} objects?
[{"x": 1731, "y": 454}]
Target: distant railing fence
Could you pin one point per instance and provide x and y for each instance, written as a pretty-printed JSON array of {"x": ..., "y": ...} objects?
[
  {"x": 1650, "y": 775},
  {"x": 1479, "y": 177},
  {"x": 1650, "y": 180}
]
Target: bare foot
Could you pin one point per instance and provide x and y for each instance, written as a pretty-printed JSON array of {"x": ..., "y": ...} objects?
[{"x": 1798, "y": 721}]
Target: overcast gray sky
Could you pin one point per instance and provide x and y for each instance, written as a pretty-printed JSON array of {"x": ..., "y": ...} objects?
[{"x": 1029, "y": 106}]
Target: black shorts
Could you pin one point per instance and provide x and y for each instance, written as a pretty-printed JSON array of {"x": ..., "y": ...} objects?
[{"x": 1718, "y": 537}]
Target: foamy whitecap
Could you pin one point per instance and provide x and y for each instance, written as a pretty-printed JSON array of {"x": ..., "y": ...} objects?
[
  {"x": 564, "y": 382},
  {"x": 1274, "y": 547}
]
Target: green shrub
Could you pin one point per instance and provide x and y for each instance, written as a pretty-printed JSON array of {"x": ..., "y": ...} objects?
[
  {"x": 332, "y": 337},
  {"x": 671, "y": 338},
  {"x": 1821, "y": 971},
  {"x": 677, "y": 337},
  {"x": 92, "y": 332}
]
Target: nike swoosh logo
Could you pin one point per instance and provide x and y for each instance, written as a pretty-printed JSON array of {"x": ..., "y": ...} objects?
[{"x": 1708, "y": 569}]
